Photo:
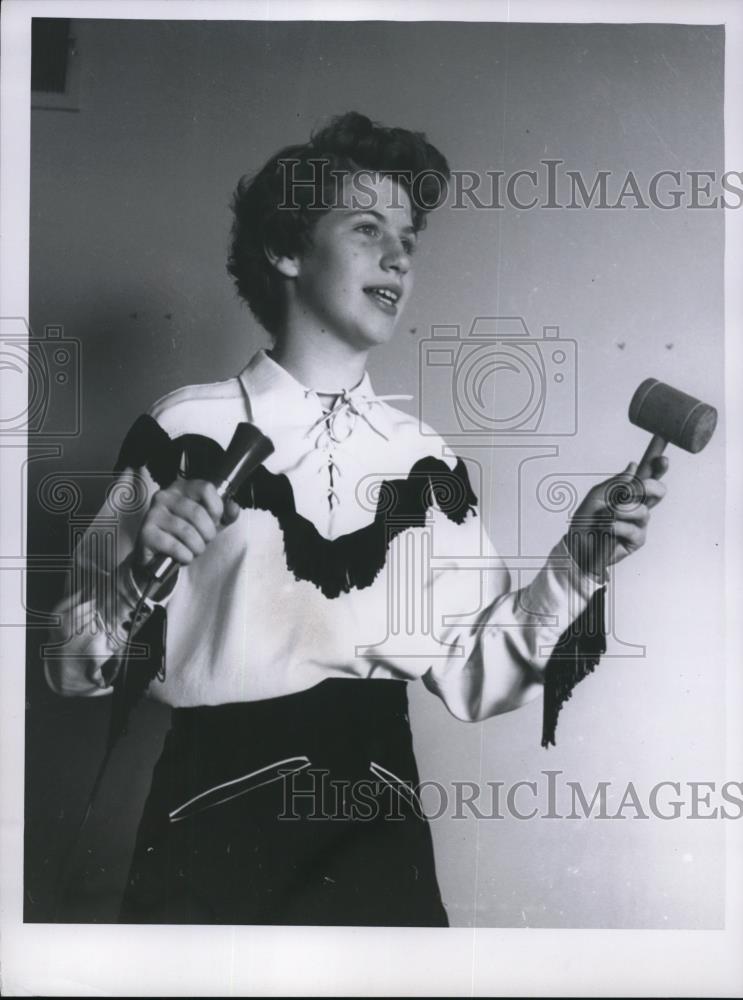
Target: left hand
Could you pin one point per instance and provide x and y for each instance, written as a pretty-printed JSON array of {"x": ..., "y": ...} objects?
[{"x": 611, "y": 522}]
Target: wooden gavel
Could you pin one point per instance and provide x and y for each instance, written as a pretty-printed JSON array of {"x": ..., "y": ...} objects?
[{"x": 672, "y": 417}]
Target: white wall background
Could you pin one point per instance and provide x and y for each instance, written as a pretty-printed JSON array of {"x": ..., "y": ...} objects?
[{"x": 129, "y": 227}]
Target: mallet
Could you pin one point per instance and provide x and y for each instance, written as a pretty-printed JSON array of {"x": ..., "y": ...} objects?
[{"x": 672, "y": 417}]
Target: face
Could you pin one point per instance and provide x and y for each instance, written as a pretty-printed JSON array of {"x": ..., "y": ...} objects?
[{"x": 354, "y": 280}]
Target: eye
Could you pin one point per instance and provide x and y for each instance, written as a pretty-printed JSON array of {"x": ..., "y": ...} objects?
[
  {"x": 368, "y": 228},
  {"x": 409, "y": 245}
]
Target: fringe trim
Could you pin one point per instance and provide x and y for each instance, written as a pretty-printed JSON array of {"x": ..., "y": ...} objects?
[
  {"x": 334, "y": 566},
  {"x": 576, "y": 655},
  {"x": 140, "y": 673}
]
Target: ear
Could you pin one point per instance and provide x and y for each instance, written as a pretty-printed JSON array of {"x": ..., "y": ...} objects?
[{"x": 286, "y": 265}]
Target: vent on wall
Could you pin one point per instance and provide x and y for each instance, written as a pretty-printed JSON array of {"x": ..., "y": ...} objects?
[{"x": 54, "y": 65}]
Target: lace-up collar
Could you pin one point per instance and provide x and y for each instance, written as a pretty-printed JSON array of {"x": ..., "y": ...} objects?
[
  {"x": 268, "y": 384},
  {"x": 276, "y": 399}
]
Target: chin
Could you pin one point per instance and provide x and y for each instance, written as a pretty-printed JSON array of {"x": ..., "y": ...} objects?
[
  {"x": 381, "y": 334},
  {"x": 368, "y": 340}
]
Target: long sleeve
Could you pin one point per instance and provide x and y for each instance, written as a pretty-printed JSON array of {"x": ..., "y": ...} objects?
[
  {"x": 95, "y": 615},
  {"x": 368, "y": 561},
  {"x": 499, "y": 650}
]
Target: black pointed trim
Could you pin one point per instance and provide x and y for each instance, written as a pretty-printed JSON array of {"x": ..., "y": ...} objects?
[
  {"x": 334, "y": 566},
  {"x": 577, "y": 654}
]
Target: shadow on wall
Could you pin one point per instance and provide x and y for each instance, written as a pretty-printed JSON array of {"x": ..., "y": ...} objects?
[{"x": 65, "y": 738}]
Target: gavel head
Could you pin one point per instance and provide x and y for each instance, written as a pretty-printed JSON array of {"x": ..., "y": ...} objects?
[{"x": 673, "y": 415}]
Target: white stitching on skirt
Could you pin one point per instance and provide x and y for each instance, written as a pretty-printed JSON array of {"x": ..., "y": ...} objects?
[
  {"x": 191, "y": 806},
  {"x": 403, "y": 788}
]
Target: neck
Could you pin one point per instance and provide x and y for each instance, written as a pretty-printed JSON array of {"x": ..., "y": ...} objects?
[{"x": 322, "y": 364}]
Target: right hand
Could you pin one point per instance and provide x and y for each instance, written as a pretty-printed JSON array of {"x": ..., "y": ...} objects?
[
  {"x": 611, "y": 523},
  {"x": 181, "y": 521}
]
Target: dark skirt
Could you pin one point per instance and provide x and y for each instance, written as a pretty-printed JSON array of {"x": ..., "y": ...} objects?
[{"x": 292, "y": 810}]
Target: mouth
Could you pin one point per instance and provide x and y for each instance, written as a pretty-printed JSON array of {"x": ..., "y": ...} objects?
[{"x": 385, "y": 297}]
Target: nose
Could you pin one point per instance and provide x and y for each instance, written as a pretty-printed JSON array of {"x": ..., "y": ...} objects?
[{"x": 395, "y": 257}]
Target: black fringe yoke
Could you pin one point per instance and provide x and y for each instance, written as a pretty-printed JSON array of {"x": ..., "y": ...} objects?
[{"x": 354, "y": 560}]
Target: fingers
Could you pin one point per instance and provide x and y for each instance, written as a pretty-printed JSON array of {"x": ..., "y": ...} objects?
[
  {"x": 626, "y": 488},
  {"x": 655, "y": 490},
  {"x": 659, "y": 467},
  {"x": 631, "y": 534},
  {"x": 634, "y": 513},
  {"x": 165, "y": 533},
  {"x": 193, "y": 515},
  {"x": 175, "y": 510},
  {"x": 183, "y": 519},
  {"x": 621, "y": 491},
  {"x": 618, "y": 510},
  {"x": 644, "y": 491},
  {"x": 231, "y": 512},
  {"x": 183, "y": 527},
  {"x": 203, "y": 493},
  {"x": 161, "y": 542}
]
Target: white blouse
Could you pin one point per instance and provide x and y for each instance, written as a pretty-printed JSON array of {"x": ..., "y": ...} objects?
[{"x": 359, "y": 552}]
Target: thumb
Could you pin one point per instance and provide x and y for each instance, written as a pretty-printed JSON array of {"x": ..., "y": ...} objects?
[
  {"x": 634, "y": 487},
  {"x": 231, "y": 512}
]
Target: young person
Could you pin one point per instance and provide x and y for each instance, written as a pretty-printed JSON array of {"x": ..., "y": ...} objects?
[{"x": 285, "y": 791}]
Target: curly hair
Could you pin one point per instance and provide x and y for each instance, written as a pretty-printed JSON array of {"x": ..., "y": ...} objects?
[{"x": 268, "y": 215}]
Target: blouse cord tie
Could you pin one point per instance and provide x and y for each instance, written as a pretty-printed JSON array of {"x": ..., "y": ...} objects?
[
  {"x": 348, "y": 404},
  {"x": 351, "y": 408}
]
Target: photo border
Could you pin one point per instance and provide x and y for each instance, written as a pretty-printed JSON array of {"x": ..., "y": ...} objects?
[{"x": 54, "y": 959}]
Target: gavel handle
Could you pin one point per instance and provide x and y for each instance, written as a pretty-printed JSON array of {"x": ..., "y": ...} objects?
[{"x": 656, "y": 448}]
